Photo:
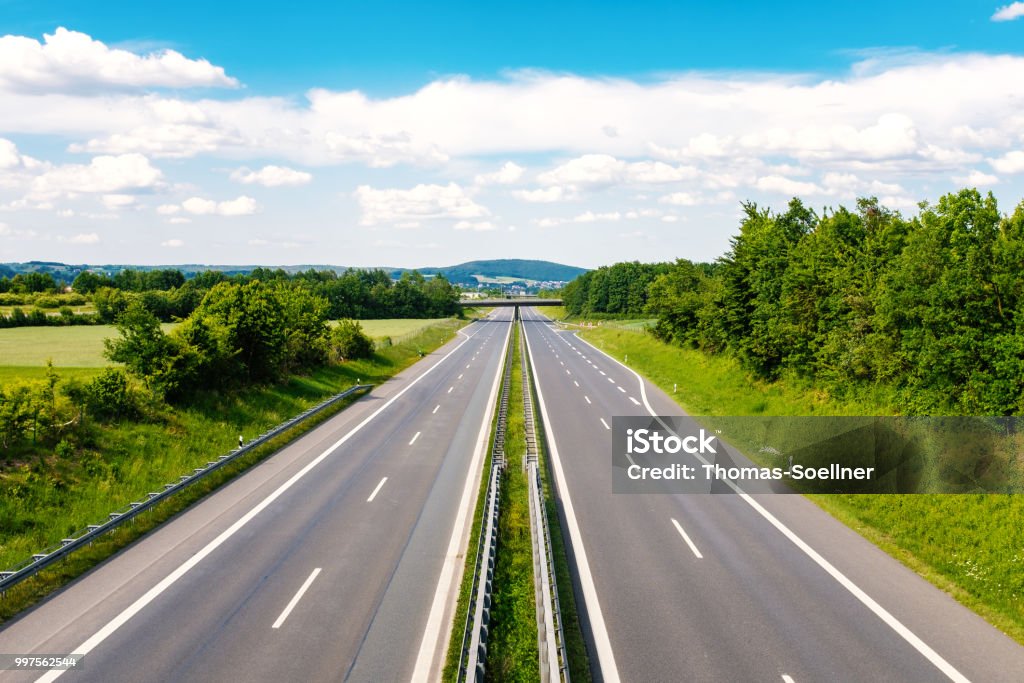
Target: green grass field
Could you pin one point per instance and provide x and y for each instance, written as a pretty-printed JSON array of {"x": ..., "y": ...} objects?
[
  {"x": 971, "y": 546},
  {"x": 81, "y": 346},
  {"x": 395, "y": 327},
  {"x": 78, "y": 346}
]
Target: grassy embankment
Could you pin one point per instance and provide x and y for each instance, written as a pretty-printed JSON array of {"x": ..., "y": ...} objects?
[
  {"x": 44, "y": 498},
  {"x": 971, "y": 546}
]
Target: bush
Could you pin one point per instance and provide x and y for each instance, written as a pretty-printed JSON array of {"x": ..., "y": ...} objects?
[
  {"x": 110, "y": 395},
  {"x": 348, "y": 341}
]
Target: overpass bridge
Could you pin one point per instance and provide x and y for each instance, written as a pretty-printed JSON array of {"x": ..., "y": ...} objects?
[{"x": 515, "y": 301}]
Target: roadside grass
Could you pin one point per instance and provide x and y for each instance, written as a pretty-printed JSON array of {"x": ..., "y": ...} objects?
[
  {"x": 969, "y": 545},
  {"x": 44, "y": 498}
]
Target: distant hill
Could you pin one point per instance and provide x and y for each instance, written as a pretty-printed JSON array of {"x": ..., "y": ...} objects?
[
  {"x": 517, "y": 269},
  {"x": 504, "y": 270}
]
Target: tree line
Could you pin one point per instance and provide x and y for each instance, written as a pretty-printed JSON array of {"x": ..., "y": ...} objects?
[
  {"x": 169, "y": 295},
  {"x": 930, "y": 306}
]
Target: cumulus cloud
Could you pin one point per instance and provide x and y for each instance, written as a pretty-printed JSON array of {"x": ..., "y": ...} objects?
[
  {"x": 977, "y": 178},
  {"x": 117, "y": 201},
  {"x": 1011, "y": 162},
  {"x": 1014, "y": 10},
  {"x": 585, "y": 217},
  {"x": 104, "y": 174},
  {"x": 603, "y": 170},
  {"x": 85, "y": 238},
  {"x": 422, "y": 202},
  {"x": 271, "y": 176},
  {"x": 172, "y": 243},
  {"x": 72, "y": 61},
  {"x": 241, "y": 206},
  {"x": 544, "y": 195},
  {"x": 508, "y": 174},
  {"x": 787, "y": 186},
  {"x": 681, "y": 199},
  {"x": 479, "y": 226},
  {"x": 168, "y": 209}
]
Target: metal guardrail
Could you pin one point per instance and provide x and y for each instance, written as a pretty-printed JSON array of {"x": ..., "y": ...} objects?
[
  {"x": 554, "y": 661},
  {"x": 473, "y": 657},
  {"x": 39, "y": 561}
]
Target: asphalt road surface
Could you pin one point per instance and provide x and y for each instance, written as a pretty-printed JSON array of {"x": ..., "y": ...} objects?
[
  {"x": 332, "y": 560},
  {"x": 732, "y": 587}
]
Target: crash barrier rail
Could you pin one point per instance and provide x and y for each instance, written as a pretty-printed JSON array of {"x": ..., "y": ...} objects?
[
  {"x": 473, "y": 658},
  {"x": 554, "y": 663},
  {"x": 84, "y": 537}
]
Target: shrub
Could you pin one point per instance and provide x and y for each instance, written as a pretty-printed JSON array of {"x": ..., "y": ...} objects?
[{"x": 348, "y": 341}]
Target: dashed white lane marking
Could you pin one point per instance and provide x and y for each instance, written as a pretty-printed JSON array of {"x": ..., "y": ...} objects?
[
  {"x": 621, "y": 389},
  {"x": 787, "y": 679},
  {"x": 376, "y": 490},
  {"x": 610, "y": 379},
  {"x": 435, "y": 409},
  {"x": 687, "y": 539},
  {"x": 588, "y": 399},
  {"x": 416, "y": 436},
  {"x": 636, "y": 402},
  {"x": 460, "y": 376},
  {"x": 450, "y": 389},
  {"x": 576, "y": 383},
  {"x": 298, "y": 596},
  {"x": 601, "y": 371},
  {"x": 605, "y": 424},
  {"x": 567, "y": 372}
]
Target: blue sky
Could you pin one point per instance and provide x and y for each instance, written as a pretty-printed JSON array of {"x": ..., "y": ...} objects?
[{"x": 425, "y": 134}]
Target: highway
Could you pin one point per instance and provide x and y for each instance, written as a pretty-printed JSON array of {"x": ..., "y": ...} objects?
[
  {"x": 335, "y": 559},
  {"x": 731, "y": 587}
]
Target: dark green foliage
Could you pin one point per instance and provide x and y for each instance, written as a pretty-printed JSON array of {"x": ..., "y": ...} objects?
[
  {"x": 620, "y": 289},
  {"x": 933, "y": 306},
  {"x": 110, "y": 396},
  {"x": 348, "y": 341}
]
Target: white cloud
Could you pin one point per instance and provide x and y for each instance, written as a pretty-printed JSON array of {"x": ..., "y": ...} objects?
[
  {"x": 271, "y": 176},
  {"x": 1009, "y": 12},
  {"x": 604, "y": 170},
  {"x": 479, "y": 226},
  {"x": 168, "y": 209},
  {"x": 72, "y": 61},
  {"x": 85, "y": 238},
  {"x": 172, "y": 243},
  {"x": 976, "y": 178},
  {"x": 681, "y": 199},
  {"x": 241, "y": 206},
  {"x": 117, "y": 201},
  {"x": 544, "y": 195},
  {"x": 585, "y": 217},
  {"x": 508, "y": 174},
  {"x": 421, "y": 202},
  {"x": 1011, "y": 162},
  {"x": 787, "y": 186},
  {"x": 106, "y": 174},
  {"x": 179, "y": 220}
]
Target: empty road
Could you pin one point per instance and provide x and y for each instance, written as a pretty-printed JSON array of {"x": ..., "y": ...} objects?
[
  {"x": 322, "y": 563},
  {"x": 730, "y": 587}
]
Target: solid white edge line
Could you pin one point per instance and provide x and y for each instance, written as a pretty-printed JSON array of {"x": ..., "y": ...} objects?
[
  {"x": 414, "y": 437},
  {"x": 376, "y": 490},
  {"x": 599, "y": 631},
  {"x": 686, "y": 538},
  {"x": 892, "y": 622},
  {"x": 296, "y": 598},
  {"x": 435, "y": 633},
  {"x": 127, "y": 613}
]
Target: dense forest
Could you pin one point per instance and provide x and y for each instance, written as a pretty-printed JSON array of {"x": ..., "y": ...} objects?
[
  {"x": 168, "y": 295},
  {"x": 931, "y": 306}
]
